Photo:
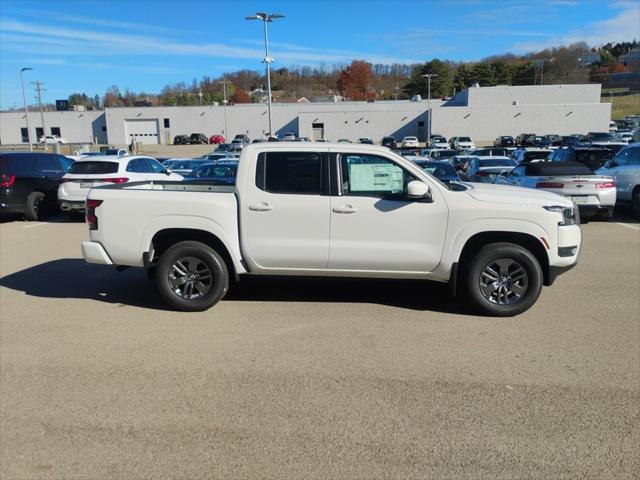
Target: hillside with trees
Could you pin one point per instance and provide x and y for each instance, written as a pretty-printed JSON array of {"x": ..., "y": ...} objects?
[{"x": 361, "y": 80}]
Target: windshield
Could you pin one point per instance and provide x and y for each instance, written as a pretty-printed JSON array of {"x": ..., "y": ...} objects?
[
  {"x": 558, "y": 169},
  {"x": 528, "y": 156},
  {"x": 93, "y": 168},
  {"x": 464, "y": 139}
]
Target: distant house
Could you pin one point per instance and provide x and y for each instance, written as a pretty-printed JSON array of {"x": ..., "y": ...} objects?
[
  {"x": 589, "y": 59},
  {"x": 632, "y": 58}
]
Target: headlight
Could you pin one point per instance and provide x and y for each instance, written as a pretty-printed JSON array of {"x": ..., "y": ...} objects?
[{"x": 569, "y": 214}]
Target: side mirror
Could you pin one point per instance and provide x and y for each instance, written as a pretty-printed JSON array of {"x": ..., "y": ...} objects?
[
  {"x": 166, "y": 171},
  {"x": 419, "y": 190}
]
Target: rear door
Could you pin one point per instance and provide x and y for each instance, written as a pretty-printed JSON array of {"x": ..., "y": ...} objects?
[
  {"x": 375, "y": 227},
  {"x": 625, "y": 168},
  {"x": 285, "y": 212}
]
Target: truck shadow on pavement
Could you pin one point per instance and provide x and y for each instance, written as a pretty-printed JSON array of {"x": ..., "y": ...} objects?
[{"x": 74, "y": 278}]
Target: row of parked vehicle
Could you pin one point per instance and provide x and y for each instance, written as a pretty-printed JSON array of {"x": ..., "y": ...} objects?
[
  {"x": 34, "y": 184},
  {"x": 594, "y": 178}
]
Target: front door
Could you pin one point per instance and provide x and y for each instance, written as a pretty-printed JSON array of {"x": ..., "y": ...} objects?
[
  {"x": 285, "y": 212},
  {"x": 376, "y": 227}
]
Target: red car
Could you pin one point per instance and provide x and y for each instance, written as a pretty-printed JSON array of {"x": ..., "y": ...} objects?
[{"x": 216, "y": 139}]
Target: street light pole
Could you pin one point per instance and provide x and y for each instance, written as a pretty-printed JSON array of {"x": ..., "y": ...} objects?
[
  {"x": 428, "y": 77},
  {"x": 266, "y": 18},
  {"x": 24, "y": 101},
  {"x": 224, "y": 89}
]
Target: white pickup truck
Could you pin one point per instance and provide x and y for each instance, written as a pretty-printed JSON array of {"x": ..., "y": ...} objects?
[{"x": 335, "y": 210}]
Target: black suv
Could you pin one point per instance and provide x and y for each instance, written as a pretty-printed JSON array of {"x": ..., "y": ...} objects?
[
  {"x": 196, "y": 138},
  {"x": 29, "y": 182},
  {"x": 389, "y": 142},
  {"x": 180, "y": 140},
  {"x": 594, "y": 158},
  {"x": 504, "y": 141}
]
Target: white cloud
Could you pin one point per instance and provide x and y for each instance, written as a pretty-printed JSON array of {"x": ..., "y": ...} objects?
[
  {"x": 623, "y": 27},
  {"x": 24, "y": 36}
]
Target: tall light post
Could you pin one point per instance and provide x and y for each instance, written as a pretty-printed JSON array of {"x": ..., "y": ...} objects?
[
  {"x": 428, "y": 76},
  {"x": 24, "y": 101},
  {"x": 266, "y": 18},
  {"x": 224, "y": 89}
]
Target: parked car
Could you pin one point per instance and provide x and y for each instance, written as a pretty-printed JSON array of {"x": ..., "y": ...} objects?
[
  {"x": 568, "y": 141},
  {"x": 409, "y": 142},
  {"x": 388, "y": 141},
  {"x": 441, "y": 153},
  {"x": 51, "y": 140},
  {"x": 407, "y": 153},
  {"x": 626, "y": 136},
  {"x": 441, "y": 169},
  {"x": 88, "y": 173},
  {"x": 594, "y": 194},
  {"x": 520, "y": 139},
  {"x": 365, "y": 140},
  {"x": 288, "y": 137},
  {"x": 528, "y": 155},
  {"x": 29, "y": 182},
  {"x": 536, "y": 141},
  {"x": 463, "y": 143},
  {"x": 486, "y": 169},
  {"x": 180, "y": 140},
  {"x": 222, "y": 172},
  {"x": 438, "y": 141},
  {"x": 222, "y": 147},
  {"x": 344, "y": 140},
  {"x": 244, "y": 138},
  {"x": 183, "y": 166},
  {"x": 376, "y": 214},
  {"x": 493, "y": 152},
  {"x": 216, "y": 139},
  {"x": 592, "y": 157},
  {"x": 198, "y": 138},
  {"x": 504, "y": 141},
  {"x": 599, "y": 138},
  {"x": 625, "y": 168},
  {"x": 212, "y": 157}
]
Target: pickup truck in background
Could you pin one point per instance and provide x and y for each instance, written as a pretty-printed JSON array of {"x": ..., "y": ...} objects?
[{"x": 335, "y": 210}]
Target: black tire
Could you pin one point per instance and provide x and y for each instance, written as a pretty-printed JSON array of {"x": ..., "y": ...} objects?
[
  {"x": 605, "y": 216},
  {"x": 518, "y": 280},
  {"x": 34, "y": 209},
  {"x": 635, "y": 203},
  {"x": 192, "y": 261}
]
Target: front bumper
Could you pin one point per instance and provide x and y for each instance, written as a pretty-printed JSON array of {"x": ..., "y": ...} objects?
[{"x": 93, "y": 252}]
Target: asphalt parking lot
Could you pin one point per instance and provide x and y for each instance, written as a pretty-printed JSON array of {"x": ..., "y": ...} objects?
[{"x": 313, "y": 378}]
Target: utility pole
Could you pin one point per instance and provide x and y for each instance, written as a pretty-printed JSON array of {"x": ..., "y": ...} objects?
[
  {"x": 428, "y": 77},
  {"x": 38, "y": 87},
  {"x": 224, "y": 89},
  {"x": 24, "y": 101}
]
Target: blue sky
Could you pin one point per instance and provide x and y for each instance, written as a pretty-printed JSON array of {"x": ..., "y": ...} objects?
[{"x": 86, "y": 46}]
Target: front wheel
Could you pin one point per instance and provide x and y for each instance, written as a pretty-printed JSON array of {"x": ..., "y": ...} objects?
[
  {"x": 503, "y": 280},
  {"x": 192, "y": 277}
]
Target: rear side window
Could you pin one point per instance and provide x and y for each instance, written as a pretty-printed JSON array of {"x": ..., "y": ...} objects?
[
  {"x": 20, "y": 165},
  {"x": 48, "y": 164},
  {"x": 290, "y": 172},
  {"x": 94, "y": 168}
]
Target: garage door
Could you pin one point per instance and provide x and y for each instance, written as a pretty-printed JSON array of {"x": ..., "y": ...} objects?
[{"x": 143, "y": 130}]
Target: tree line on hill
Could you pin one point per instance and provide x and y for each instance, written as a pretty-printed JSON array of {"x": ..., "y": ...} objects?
[{"x": 361, "y": 80}]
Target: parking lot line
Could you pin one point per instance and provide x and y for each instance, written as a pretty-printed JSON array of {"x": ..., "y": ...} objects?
[
  {"x": 632, "y": 227},
  {"x": 40, "y": 224}
]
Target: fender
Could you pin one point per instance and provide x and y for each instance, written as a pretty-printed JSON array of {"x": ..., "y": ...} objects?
[{"x": 193, "y": 222}]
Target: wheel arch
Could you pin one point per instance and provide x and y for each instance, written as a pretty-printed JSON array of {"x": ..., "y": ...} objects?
[
  {"x": 525, "y": 240},
  {"x": 167, "y": 237}
]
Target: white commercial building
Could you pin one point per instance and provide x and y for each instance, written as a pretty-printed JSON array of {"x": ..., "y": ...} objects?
[{"x": 482, "y": 113}]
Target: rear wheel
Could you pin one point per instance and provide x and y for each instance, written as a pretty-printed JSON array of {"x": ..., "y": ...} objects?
[
  {"x": 191, "y": 276},
  {"x": 635, "y": 203},
  {"x": 34, "y": 210},
  {"x": 503, "y": 279}
]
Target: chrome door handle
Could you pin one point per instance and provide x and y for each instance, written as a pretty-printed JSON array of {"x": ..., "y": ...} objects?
[
  {"x": 345, "y": 209},
  {"x": 261, "y": 207}
]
